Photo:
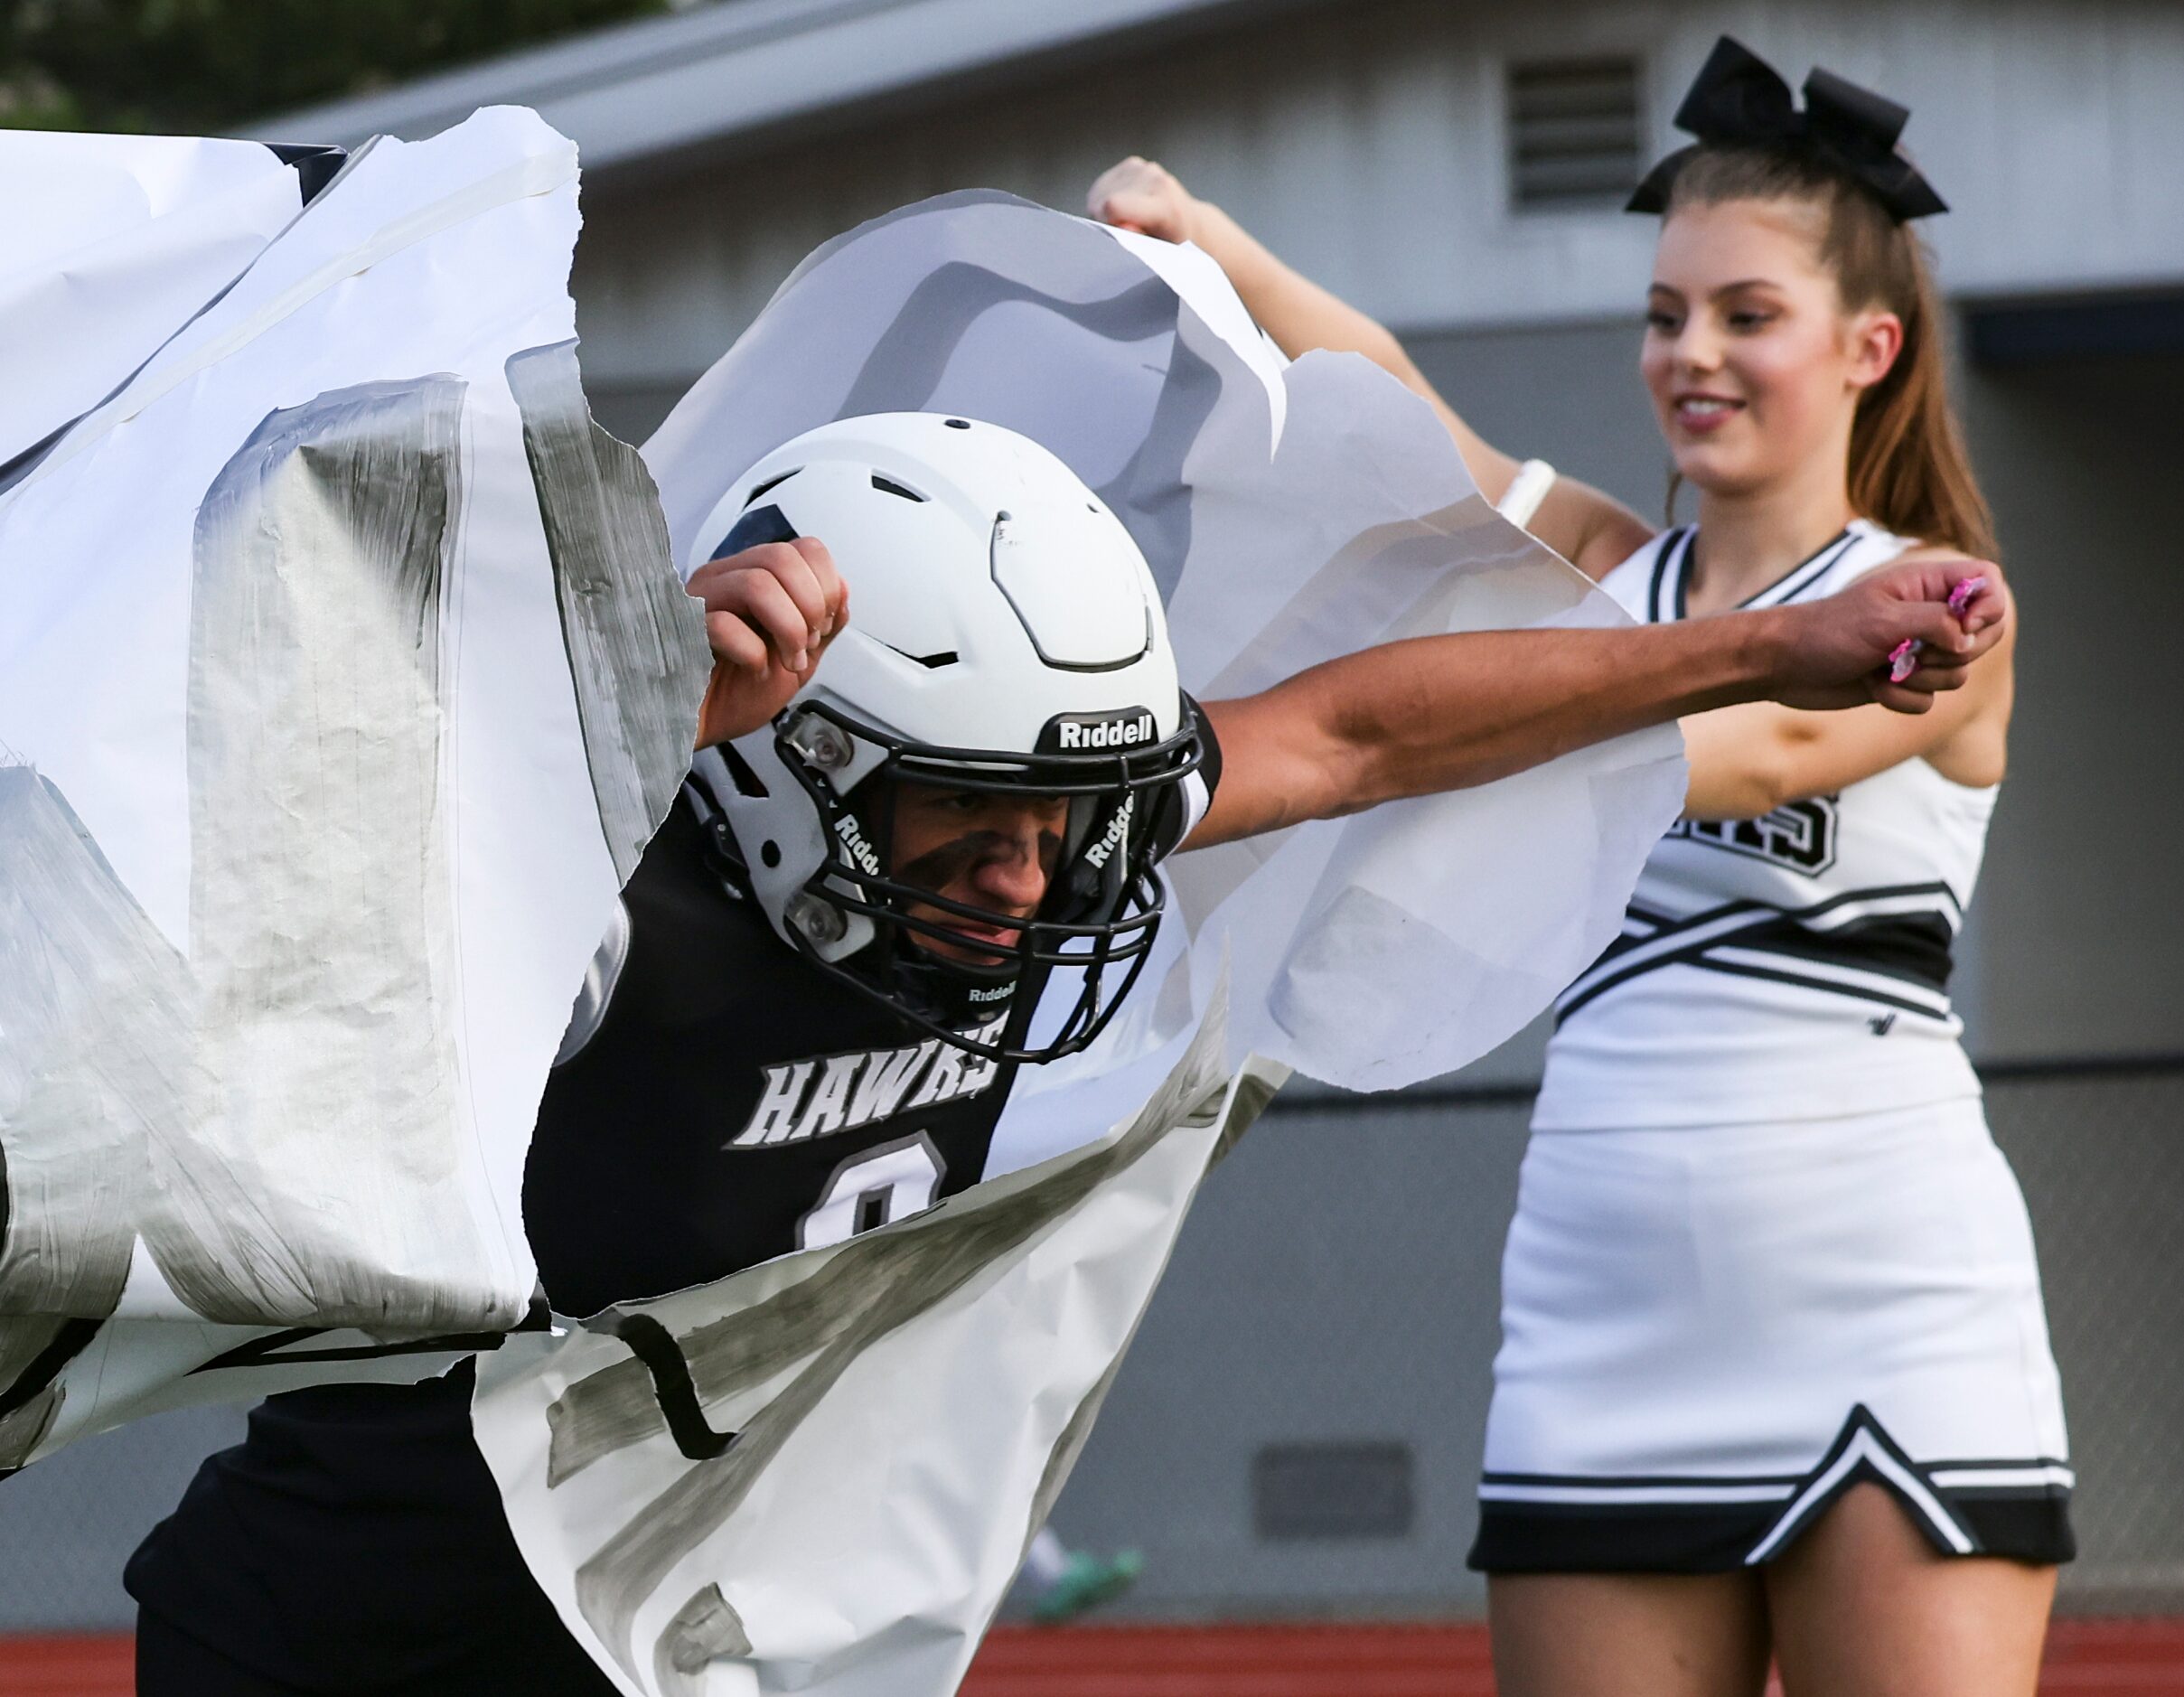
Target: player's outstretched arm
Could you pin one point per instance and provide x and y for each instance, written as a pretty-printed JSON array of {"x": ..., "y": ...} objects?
[
  {"x": 1445, "y": 712},
  {"x": 770, "y": 613}
]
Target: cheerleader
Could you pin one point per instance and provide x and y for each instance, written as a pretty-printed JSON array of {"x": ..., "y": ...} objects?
[{"x": 1775, "y": 1378}]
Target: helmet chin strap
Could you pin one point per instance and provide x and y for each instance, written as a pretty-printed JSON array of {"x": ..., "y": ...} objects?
[{"x": 955, "y": 992}]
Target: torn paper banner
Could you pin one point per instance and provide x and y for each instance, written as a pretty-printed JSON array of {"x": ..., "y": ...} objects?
[
  {"x": 819, "y": 1476},
  {"x": 342, "y": 679},
  {"x": 113, "y": 242}
]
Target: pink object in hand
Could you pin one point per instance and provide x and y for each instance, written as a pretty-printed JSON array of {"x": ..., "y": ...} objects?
[{"x": 1903, "y": 659}]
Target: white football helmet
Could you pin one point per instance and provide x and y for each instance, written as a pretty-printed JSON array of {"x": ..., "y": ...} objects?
[{"x": 1005, "y": 635}]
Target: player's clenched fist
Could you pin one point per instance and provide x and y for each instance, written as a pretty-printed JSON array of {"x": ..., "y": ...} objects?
[
  {"x": 770, "y": 613},
  {"x": 1140, "y": 195}
]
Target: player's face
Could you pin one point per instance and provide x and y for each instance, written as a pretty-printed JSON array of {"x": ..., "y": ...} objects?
[
  {"x": 1753, "y": 365},
  {"x": 997, "y": 852}
]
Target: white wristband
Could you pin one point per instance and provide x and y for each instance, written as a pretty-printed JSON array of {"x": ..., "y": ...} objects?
[{"x": 1526, "y": 490}]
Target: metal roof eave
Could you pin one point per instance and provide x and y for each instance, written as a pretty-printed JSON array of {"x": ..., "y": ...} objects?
[{"x": 704, "y": 77}]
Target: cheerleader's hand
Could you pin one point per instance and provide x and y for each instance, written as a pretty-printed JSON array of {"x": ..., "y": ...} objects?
[
  {"x": 1140, "y": 195},
  {"x": 770, "y": 613},
  {"x": 1844, "y": 651}
]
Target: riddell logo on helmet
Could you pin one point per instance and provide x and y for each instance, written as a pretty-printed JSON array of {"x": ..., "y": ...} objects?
[
  {"x": 1118, "y": 827},
  {"x": 1088, "y": 733},
  {"x": 853, "y": 840}
]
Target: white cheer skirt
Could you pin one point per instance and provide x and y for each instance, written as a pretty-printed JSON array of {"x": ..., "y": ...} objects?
[{"x": 1709, "y": 1334}]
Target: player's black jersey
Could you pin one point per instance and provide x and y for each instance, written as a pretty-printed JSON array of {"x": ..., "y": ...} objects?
[
  {"x": 732, "y": 1103},
  {"x": 736, "y": 1103}
]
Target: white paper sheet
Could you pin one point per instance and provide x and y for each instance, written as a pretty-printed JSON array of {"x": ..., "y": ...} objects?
[
  {"x": 302, "y": 841},
  {"x": 112, "y": 242}
]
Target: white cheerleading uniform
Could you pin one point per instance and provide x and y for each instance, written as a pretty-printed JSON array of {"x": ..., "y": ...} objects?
[{"x": 1764, "y": 1247}]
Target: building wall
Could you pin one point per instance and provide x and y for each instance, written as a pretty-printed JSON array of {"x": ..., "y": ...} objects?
[
  {"x": 1366, "y": 143},
  {"x": 2081, "y": 943}
]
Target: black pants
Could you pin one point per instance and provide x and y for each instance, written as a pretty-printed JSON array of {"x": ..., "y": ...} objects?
[{"x": 170, "y": 1663}]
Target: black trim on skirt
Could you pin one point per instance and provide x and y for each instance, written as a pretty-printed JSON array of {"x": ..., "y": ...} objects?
[{"x": 2028, "y": 1523}]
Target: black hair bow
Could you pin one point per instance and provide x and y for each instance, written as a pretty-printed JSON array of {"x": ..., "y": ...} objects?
[{"x": 1737, "y": 101}]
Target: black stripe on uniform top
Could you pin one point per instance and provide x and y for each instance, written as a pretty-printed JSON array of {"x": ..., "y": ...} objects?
[
  {"x": 1667, "y": 545},
  {"x": 1801, "y": 577},
  {"x": 1669, "y": 926},
  {"x": 1832, "y": 987},
  {"x": 1912, "y": 947},
  {"x": 1665, "y": 930},
  {"x": 1573, "y": 998}
]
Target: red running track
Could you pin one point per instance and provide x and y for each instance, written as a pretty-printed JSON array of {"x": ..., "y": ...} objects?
[{"x": 2086, "y": 1658}]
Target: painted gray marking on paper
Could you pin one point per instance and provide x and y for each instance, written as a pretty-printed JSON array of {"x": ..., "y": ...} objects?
[
  {"x": 636, "y": 642},
  {"x": 94, "y": 1044},
  {"x": 705, "y": 1629},
  {"x": 1150, "y": 493},
  {"x": 897, "y": 1275},
  {"x": 322, "y": 1189},
  {"x": 22, "y": 1431},
  {"x": 22, "y": 1339}
]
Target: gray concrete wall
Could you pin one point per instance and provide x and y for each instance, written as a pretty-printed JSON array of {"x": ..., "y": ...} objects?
[
  {"x": 1337, "y": 1284},
  {"x": 67, "y": 1524},
  {"x": 1367, "y": 141},
  {"x": 2081, "y": 938}
]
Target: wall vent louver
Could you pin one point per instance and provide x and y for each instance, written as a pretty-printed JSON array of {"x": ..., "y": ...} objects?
[{"x": 1575, "y": 140}]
